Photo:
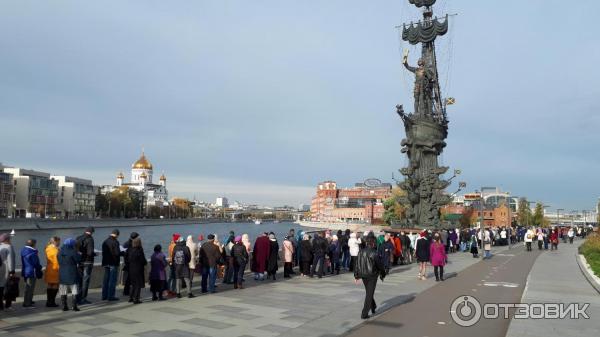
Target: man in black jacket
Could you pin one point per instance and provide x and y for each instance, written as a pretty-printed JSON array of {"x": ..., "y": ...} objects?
[
  {"x": 319, "y": 249},
  {"x": 210, "y": 254},
  {"x": 111, "y": 258},
  {"x": 368, "y": 267},
  {"x": 85, "y": 243}
]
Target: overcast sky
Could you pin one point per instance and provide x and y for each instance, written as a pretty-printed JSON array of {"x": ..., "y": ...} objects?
[{"x": 261, "y": 100}]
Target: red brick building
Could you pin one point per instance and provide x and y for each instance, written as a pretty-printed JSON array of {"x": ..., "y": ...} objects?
[{"x": 361, "y": 203}]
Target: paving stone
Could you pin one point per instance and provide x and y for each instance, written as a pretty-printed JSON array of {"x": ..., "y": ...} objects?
[
  {"x": 227, "y": 308},
  {"x": 273, "y": 328},
  {"x": 174, "y": 311},
  {"x": 96, "y": 332},
  {"x": 207, "y": 323},
  {"x": 239, "y": 315}
]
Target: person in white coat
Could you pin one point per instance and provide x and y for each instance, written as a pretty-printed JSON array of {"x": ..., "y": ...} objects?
[
  {"x": 528, "y": 239},
  {"x": 194, "y": 255},
  {"x": 353, "y": 244}
]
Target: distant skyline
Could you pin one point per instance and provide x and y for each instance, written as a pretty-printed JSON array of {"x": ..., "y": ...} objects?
[{"x": 260, "y": 101}]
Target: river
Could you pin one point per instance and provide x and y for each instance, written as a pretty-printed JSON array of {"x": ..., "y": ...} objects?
[{"x": 151, "y": 235}]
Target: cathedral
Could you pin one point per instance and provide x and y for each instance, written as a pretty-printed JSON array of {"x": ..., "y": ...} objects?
[{"x": 141, "y": 180}]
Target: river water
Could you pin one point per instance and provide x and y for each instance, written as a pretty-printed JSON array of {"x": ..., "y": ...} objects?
[{"x": 152, "y": 235}]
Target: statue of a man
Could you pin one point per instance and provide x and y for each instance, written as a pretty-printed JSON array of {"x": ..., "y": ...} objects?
[{"x": 424, "y": 80}]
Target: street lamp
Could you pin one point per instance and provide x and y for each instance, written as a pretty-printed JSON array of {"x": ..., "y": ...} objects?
[{"x": 558, "y": 216}]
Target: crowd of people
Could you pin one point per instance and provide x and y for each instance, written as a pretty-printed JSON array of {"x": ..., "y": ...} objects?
[{"x": 171, "y": 271}]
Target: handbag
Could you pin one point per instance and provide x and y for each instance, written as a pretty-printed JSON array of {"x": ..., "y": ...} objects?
[{"x": 12, "y": 288}]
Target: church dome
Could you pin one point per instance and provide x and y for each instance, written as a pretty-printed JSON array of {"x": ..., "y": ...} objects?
[
  {"x": 120, "y": 175},
  {"x": 142, "y": 163},
  {"x": 163, "y": 178}
]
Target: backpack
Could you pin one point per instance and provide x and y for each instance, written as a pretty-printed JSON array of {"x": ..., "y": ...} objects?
[{"x": 179, "y": 257}]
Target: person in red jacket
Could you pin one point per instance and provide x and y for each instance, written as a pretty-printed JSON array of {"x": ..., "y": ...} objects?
[
  {"x": 437, "y": 254},
  {"x": 397, "y": 248},
  {"x": 554, "y": 239}
]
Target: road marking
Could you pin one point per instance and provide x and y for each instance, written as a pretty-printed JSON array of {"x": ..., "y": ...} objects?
[
  {"x": 505, "y": 254},
  {"x": 441, "y": 323},
  {"x": 501, "y": 284}
]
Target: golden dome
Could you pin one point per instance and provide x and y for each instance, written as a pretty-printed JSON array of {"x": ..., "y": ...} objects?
[
  {"x": 162, "y": 177},
  {"x": 142, "y": 163},
  {"x": 143, "y": 175},
  {"x": 120, "y": 175}
]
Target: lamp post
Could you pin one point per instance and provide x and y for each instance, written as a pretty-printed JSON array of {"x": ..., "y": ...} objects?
[{"x": 558, "y": 216}]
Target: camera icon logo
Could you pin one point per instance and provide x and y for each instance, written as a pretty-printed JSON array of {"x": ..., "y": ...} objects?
[{"x": 465, "y": 310}]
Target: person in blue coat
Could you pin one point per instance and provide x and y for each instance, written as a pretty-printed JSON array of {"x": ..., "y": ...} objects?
[
  {"x": 68, "y": 273},
  {"x": 32, "y": 270}
]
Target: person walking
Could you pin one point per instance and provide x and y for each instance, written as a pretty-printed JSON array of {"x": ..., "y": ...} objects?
[
  {"x": 7, "y": 271},
  {"x": 571, "y": 234},
  {"x": 158, "y": 273},
  {"x": 397, "y": 248},
  {"x": 437, "y": 252},
  {"x": 345, "y": 249},
  {"x": 51, "y": 274},
  {"x": 68, "y": 261},
  {"x": 487, "y": 245},
  {"x": 288, "y": 257},
  {"x": 137, "y": 263},
  {"x": 540, "y": 239},
  {"x": 240, "y": 259},
  {"x": 319, "y": 248},
  {"x": 32, "y": 270},
  {"x": 528, "y": 239},
  {"x": 85, "y": 242},
  {"x": 111, "y": 259},
  {"x": 422, "y": 253},
  {"x": 273, "y": 263},
  {"x": 209, "y": 256},
  {"x": 181, "y": 261},
  {"x": 260, "y": 256},
  {"x": 474, "y": 250},
  {"x": 554, "y": 239},
  {"x": 367, "y": 268}
]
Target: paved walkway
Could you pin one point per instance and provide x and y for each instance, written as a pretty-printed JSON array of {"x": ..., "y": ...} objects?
[
  {"x": 296, "y": 307},
  {"x": 556, "y": 278}
]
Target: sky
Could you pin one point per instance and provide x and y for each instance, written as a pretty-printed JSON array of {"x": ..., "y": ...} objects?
[{"x": 261, "y": 100}]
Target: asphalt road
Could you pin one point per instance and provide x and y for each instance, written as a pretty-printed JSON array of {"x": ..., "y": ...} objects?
[{"x": 500, "y": 279}]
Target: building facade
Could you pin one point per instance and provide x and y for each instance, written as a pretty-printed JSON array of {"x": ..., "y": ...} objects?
[
  {"x": 222, "y": 202},
  {"x": 361, "y": 203},
  {"x": 7, "y": 195},
  {"x": 76, "y": 197},
  {"x": 35, "y": 193}
]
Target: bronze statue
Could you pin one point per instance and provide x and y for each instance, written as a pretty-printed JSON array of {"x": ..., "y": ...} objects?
[{"x": 424, "y": 81}]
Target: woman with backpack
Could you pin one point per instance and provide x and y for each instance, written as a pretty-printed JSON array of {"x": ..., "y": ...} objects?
[{"x": 181, "y": 260}]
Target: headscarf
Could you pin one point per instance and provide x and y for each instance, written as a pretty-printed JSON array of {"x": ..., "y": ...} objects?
[
  {"x": 272, "y": 237},
  {"x": 238, "y": 239}
]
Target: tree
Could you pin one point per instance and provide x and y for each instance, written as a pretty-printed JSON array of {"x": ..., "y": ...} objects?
[
  {"x": 524, "y": 215},
  {"x": 538, "y": 215},
  {"x": 394, "y": 211}
]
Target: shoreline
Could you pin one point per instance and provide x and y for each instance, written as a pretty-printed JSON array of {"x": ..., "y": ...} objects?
[
  {"x": 41, "y": 224},
  {"x": 354, "y": 227}
]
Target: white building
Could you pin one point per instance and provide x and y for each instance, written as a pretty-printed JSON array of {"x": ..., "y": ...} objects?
[
  {"x": 76, "y": 197},
  {"x": 141, "y": 180},
  {"x": 222, "y": 202}
]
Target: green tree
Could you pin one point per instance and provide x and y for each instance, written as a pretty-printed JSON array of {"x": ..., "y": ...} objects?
[
  {"x": 524, "y": 215},
  {"x": 538, "y": 215},
  {"x": 393, "y": 209}
]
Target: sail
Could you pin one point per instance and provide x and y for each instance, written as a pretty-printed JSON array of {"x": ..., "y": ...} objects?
[
  {"x": 421, "y": 3},
  {"x": 424, "y": 32}
]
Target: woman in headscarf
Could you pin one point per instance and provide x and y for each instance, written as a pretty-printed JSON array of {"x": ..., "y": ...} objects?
[
  {"x": 181, "y": 261},
  {"x": 239, "y": 255},
  {"x": 68, "y": 259},
  {"x": 193, "y": 255},
  {"x": 273, "y": 263},
  {"x": 158, "y": 275},
  {"x": 437, "y": 252},
  {"x": 137, "y": 262},
  {"x": 260, "y": 256},
  {"x": 305, "y": 255},
  {"x": 51, "y": 274},
  {"x": 288, "y": 255}
]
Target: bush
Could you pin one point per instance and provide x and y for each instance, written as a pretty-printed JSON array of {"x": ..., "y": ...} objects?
[{"x": 591, "y": 250}]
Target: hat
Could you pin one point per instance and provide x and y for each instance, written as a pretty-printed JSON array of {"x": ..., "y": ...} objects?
[
  {"x": 70, "y": 242},
  {"x": 115, "y": 232},
  {"x": 3, "y": 237},
  {"x": 200, "y": 237},
  {"x": 210, "y": 236},
  {"x": 89, "y": 229},
  {"x": 272, "y": 237},
  {"x": 176, "y": 237},
  {"x": 180, "y": 239},
  {"x": 238, "y": 238},
  {"x": 133, "y": 235}
]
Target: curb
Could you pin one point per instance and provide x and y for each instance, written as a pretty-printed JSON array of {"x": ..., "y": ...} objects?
[{"x": 587, "y": 272}]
